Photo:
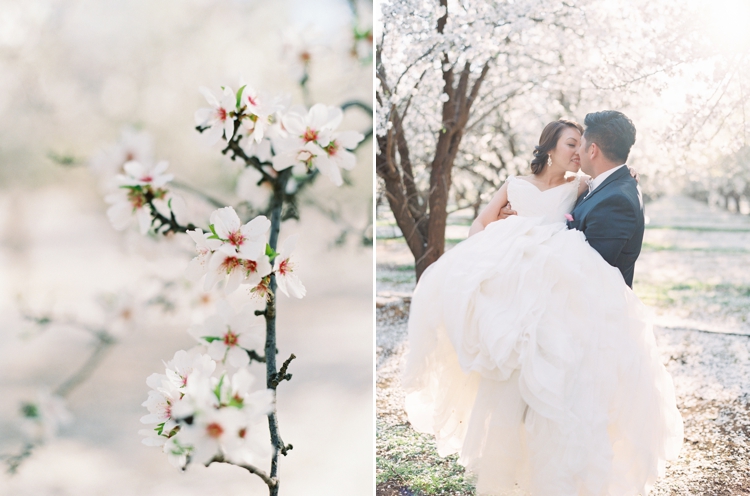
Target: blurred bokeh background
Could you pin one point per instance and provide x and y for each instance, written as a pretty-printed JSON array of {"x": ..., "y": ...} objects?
[{"x": 79, "y": 78}]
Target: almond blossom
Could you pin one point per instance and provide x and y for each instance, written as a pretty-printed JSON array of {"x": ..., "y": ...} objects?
[
  {"x": 230, "y": 335},
  {"x": 307, "y": 134},
  {"x": 218, "y": 120},
  {"x": 139, "y": 184},
  {"x": 140, "y": 174},
  {"x": 289, "y": 283},
  {"x": 225, "y": 417},
  {"x": 337, "y": 155},
  {"x": 127, "y": 205},
  {"x": 212, "y": 432},
  {"x": 205, "y": 246},
  {"x": 241, "y": 255},
  {"x": 259, "y": 110},
  {"x": 183, "y": 365},
  {"x": 162, "y": 397}
]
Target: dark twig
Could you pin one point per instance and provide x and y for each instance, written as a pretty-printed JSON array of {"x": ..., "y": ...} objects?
[
  {"x": 282, "y": 375},
  {"x": 170, "y": 222},
  {"x": 15, "y": 461},
  {"x": 271, "y": 482},
  {"x": 255, "y": 356}
]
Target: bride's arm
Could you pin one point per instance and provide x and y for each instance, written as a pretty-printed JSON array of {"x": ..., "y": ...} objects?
[{"x": 491, "y": 212}]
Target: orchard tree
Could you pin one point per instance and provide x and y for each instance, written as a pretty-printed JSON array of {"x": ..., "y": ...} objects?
[{"x": 464, "y": 89}]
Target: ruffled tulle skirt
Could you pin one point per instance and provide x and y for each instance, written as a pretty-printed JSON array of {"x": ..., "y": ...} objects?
[{"x": 531, "y": 358}]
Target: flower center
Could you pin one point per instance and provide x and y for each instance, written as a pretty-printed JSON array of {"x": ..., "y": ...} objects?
[
  {"x": 222, "y": 114},
  {"x": 236, "y": 238},
  {"x": 230, "y": 338},
  {"x": 251, "y": 266},
  {"x": 242, "y": 433},
  {"x": 310, "y": 135},
  {"x": 285, "y": 267},
  {"x": 214, "y": 430},
  {"x": 332, "y": 148},
  {"x": 136, "y": 198},
  {"x": 230, "y": 263}
]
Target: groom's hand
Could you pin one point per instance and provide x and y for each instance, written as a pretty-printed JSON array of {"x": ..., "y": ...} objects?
[{"x": 506, "y": 212}]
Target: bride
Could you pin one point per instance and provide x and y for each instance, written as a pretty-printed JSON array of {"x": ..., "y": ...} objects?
[{"x": 529, "y": 354}]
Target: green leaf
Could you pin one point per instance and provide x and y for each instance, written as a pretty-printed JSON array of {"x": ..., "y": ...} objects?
[
  {"x": 270, "y": 252},
  {"x": 160, "y": 428},
  {"x": 211, "y": 339},
  {"x": 217, "y": 389},
  {"x": 239, "y": 95},
  {"x": 169, "y": 204},
  {"x": 213, "y": 233}
]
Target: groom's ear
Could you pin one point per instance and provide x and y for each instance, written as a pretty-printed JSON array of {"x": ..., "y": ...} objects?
[{"x": 593, "y": 150}]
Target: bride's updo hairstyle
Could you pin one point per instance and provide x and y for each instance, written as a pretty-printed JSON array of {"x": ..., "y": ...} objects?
[{"x": 548, "y": 141}]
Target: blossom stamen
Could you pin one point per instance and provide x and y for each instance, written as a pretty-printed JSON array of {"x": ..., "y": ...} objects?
[
  {"x": 214, "y": 430},
  {"x": 310, "y": 135},
  {"x": 230, "y": 263},
  {"x": 230, "y": 338},
  {"x": 236, "y": 238}
]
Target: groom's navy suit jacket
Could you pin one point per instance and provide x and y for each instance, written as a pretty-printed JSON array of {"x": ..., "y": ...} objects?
[{"x": 611, "y": 217}]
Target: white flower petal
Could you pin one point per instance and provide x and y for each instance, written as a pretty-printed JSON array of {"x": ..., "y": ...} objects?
[
  {"x": 237, "y": 357},
  {"x": 233, "y": 281},
  {"x": 210, "y": 98},
  {"x": 144, "y": 219},
  {"x": 217, "y": 350},
  {"x": 349, "y": 139}
]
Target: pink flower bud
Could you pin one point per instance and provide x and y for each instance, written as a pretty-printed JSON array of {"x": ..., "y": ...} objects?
[{"x": 569, "y": 217}]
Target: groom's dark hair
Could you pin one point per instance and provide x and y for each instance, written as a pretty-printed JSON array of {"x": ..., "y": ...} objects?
[{"x": 612, "y": 131}]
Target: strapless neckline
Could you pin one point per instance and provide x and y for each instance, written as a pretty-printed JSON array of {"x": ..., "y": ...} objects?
[{"x": 543, "y": 190}]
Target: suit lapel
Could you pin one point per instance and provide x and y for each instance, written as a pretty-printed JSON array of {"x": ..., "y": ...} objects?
[{"x": 613, "y": 177}]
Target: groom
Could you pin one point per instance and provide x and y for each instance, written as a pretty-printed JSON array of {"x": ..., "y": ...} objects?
[{"x": 610, "y": 213}]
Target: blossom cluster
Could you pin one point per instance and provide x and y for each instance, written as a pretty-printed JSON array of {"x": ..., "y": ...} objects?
[
  {"x": 285, "y": 136},
  {"x": 264, "y": 126},
  {"x": 198, "y": 409},
  {"x": 238, "y": 254},
  {"x": 141, "y": 187}
]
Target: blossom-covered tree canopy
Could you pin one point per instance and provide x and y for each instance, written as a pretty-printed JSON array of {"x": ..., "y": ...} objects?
[{"x": 464, "y": 89}]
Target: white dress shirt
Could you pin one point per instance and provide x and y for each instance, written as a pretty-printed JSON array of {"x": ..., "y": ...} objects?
[{"x": 598, "y": 180}]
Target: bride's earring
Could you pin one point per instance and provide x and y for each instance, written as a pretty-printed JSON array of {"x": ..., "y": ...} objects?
[{"x": 549, "y": 161}]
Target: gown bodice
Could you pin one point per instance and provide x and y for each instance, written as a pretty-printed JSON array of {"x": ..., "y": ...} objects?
[{"x": 551, "y": 204}]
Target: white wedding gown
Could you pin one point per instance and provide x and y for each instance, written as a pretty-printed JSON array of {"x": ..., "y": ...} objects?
[{"x": 531, "y": 358}]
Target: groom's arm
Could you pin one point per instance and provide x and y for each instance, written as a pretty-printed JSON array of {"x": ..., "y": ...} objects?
[{"x": 610, "y": 226}]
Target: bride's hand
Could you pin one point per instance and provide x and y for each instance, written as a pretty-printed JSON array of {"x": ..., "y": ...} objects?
[
  {"x": 635, "y": 174},
  {"x": 506, "y": 212}
]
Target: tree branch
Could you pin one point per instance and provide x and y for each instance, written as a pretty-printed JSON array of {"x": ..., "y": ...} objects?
[
  {"x": 207, "y": 198},
  {"x": 271, "y": 482},
  {"x": 282, "y": 375}
]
